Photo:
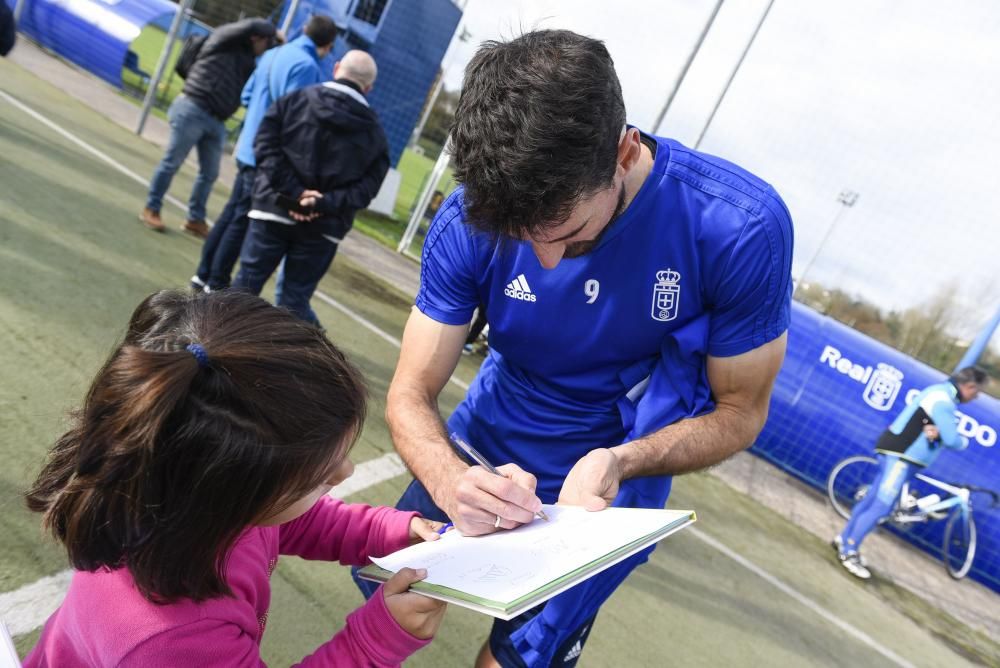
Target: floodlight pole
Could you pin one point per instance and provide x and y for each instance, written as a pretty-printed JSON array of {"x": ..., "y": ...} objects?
[
  {"x": 431, "y": 101},
  {"x": 687, "y": 66},
  {"x": 847, "y": 199},
  {"x": 161, "y": 65}
]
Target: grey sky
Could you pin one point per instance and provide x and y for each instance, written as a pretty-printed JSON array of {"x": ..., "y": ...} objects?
[{"x": 892, "y": 100}]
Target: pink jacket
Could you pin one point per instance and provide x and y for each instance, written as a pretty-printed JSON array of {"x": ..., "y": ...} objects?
[{"x": 105, "y": 621}]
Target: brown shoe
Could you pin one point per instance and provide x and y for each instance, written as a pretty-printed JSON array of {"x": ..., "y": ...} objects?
[
  {"x": 152, "y": 220},
  {"x": 198, "y": 228}
]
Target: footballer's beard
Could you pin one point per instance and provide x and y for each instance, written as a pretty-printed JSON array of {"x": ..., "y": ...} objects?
[{"x": 578, "y": 248}]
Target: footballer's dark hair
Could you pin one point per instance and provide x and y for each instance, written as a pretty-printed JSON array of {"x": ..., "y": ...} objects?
[
  {"x": 536, "y": 129},
  {"x": 214, "y": 412},
  {"x": 321, "y": 30}
]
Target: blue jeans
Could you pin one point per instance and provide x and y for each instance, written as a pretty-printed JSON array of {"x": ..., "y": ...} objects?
[
  {"x": 190, "y": 126},
  {"x": 307, "y": 254},
  {"x": 879, "y": 501},
  {"x": 222, "y": 247}
]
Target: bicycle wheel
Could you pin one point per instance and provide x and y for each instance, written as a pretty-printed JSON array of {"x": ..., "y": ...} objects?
[
  {"x": 849, "y": 482},
  {"x": 959, "y": 544}
]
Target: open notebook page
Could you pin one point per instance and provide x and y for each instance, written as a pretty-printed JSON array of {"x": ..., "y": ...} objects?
[{"x": 508, "y": 565}]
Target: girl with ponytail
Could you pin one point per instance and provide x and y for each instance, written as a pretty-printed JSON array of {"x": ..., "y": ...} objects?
[{"x": 205, "y": 448}]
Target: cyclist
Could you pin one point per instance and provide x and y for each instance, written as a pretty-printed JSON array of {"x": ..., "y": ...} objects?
[{"x": 911, "y": 443}]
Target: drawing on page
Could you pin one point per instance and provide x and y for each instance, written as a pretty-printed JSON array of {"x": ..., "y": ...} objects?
[{"x": 494, "y": 573}]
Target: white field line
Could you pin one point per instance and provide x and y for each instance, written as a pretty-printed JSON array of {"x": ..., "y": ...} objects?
[
  {"x": 35, "y": 602},
  {"x": 27, "y": 608},
  {"x": 370, "y": 473},
  {"x": 104, "y": 157},
  {"x": 801, "y": 598}
]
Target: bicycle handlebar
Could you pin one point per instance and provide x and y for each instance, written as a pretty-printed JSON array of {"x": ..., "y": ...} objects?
[{"x": 982, "y": 490}]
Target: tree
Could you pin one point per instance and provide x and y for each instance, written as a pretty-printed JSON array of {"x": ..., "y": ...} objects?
[
  {"x": 217, "y": 12},
  {"x": 923, "y": 331},
  {"x": 440, "y": 119}
]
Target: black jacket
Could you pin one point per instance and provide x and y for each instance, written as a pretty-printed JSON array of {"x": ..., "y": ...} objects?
[
  {"x": 324, "y": 138},
  {"x": 225, "y": 62},
  {"x": 8, "y": 31}
]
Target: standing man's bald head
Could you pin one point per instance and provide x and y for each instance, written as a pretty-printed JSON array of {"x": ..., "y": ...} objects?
[{"x": 357, "y": 66}]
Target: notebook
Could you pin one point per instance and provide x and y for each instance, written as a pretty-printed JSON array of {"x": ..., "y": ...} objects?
[
  {"x": 8, "y": 653},
  {"x": 507, "y": 572}
]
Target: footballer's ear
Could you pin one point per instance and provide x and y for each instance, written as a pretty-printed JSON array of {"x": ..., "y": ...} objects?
[{"x": 629, "y": 148}]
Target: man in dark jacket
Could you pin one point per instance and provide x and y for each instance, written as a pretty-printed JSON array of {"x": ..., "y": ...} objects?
[
  {"x": 197, "y": 117},
  {"x": 321, "y": 150}
]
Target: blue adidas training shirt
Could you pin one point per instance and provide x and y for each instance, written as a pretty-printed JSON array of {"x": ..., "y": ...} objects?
[{"x": 610, "y": 346}]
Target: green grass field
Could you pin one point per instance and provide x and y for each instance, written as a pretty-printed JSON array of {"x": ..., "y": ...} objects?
[{"x": 76, "y": 261}]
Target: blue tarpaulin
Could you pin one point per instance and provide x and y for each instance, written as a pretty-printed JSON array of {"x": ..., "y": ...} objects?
[{"x": 94, "y": 34}]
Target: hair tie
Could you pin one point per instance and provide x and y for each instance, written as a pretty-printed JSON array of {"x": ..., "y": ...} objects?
[{"x": 199, "y": 354}]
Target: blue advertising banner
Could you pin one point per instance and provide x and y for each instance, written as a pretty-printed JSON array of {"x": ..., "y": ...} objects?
[{"x": 838, "y": 391}]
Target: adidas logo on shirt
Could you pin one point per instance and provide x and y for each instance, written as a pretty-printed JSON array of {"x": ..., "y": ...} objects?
[
  {"x": 518, "y": 289},
  {"x": 574, "y": 652}
]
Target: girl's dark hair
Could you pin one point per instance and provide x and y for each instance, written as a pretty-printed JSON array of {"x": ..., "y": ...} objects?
[
  {"x": 536, "y": 129},
  {"x": 170, "y": 458}
]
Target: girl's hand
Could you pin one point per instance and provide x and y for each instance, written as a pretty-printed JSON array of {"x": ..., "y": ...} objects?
[
  {"x": 421, "y": 530},
  {"x": 418, "y": 615}
]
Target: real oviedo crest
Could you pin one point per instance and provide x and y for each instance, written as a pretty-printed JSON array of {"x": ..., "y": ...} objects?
[
  {"x": 883, "y": 386},
  {"x": 666, "y": 295}
]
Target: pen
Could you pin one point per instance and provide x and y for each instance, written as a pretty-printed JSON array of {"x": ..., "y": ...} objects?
[{"x": 475, "y": 456}]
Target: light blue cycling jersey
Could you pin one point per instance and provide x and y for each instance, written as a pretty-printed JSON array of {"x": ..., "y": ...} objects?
[
  {"x": 612, "y": 345},
  {"x": 905, "y": 436}
]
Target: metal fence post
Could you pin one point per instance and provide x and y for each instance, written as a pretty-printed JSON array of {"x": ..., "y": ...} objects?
[
  {"x": 293, "y": 7},
  {"x": 161, "y": 65},
  {"x": 425, "y": 197}
]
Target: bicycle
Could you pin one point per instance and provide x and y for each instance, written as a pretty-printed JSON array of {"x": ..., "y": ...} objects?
[{"x": 850, "y": 480}]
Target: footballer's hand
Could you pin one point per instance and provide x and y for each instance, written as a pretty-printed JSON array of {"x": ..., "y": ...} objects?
[
  {"x": 484, "y": 502},
  {"x": 593, "y": 481}
]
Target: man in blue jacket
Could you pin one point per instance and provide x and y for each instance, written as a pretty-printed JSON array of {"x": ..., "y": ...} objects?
[
  {"x": 321, "y": 155},
  {"x": 911, "y": 443},
  {"x": 280, "y": 71},
  {"x": 198, "y": 116}
]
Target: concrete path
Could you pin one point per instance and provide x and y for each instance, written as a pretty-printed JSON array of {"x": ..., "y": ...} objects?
[{"x": 891, "y": 559}]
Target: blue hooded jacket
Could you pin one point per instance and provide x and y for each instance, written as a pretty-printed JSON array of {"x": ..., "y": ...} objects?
[
  {"x": 279, "y": 72},
  {"x": 905, "y": 436}
]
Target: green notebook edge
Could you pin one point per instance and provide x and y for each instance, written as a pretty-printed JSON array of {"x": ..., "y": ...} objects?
[{"x": 378, "y": 574}]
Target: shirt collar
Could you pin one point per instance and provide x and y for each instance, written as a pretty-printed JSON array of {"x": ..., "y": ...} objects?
[{"x": 349, "y": 88}]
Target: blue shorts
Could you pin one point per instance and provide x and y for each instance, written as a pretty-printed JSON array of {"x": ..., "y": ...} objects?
[{"x": 416, "y": 498}]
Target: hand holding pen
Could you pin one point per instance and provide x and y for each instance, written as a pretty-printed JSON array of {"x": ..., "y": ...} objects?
[{"x": 491, "y": 498}]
